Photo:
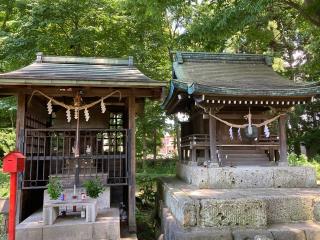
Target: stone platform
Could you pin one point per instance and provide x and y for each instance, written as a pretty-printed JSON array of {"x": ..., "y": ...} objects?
[
  {"x": 248, "y": 176},
  {"x": 172, "y": 230},
  {"x": 205, "y": 213},
  {"x": 106, "y": 227}
]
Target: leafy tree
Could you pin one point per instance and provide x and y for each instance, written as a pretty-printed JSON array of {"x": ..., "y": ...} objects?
[{"x": 150, "y": 130}]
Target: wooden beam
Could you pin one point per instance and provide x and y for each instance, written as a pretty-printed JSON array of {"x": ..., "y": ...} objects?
[
  {"x": 132, "y": 164},
  {"x": 154, "y": 93},
  {"x": 20, "y": 127},
  {"x": 283, "y": 161},
  {"x": 213, "y": 141}
]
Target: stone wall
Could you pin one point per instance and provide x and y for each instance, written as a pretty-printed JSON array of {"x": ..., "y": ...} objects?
[{"x": 247, "y": 177}]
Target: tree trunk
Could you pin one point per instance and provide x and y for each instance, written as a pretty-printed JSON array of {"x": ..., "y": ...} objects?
[
  {"x": 144, "y": 151},
  {"x": 154, "y": 146}
]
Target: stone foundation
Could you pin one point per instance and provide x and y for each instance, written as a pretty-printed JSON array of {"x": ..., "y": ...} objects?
[
  {"x": 292, "y": 231},
  {"x": 107, "y": 226},
  {"x": 190, "y": 212},
  {"x": 247, "y": 177},
  {"x": 238, "y": 207}
]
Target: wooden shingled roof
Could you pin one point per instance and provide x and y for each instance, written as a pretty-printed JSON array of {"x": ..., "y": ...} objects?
[
  {"x": 80, "y": 71},
  {"x": 232, "y": 75}
]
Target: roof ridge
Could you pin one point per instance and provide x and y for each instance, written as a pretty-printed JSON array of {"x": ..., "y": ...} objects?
[
  {"x": 181, "y": 57},
  {"x": 84, "y": 60}
]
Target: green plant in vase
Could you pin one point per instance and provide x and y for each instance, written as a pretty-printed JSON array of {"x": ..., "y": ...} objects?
[
  {"x": 94, "y": 187},
  {"x": 54, "y": 188}
]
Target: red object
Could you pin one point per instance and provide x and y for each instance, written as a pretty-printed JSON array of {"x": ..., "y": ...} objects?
[{"x": 13, "y": 163}]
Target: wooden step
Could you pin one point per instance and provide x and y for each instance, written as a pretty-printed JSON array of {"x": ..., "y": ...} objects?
[{"x": 240, "y": 155}]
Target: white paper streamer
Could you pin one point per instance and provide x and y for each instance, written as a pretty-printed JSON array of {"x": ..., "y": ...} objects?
[
  {"x": 239, "y": 134},
  {"x": 266, "y": 131},
  {"x": 103, "y": 106},
  {"x": 76, "y": 113},
  {"x": 231, "y": 133},
  {"x": 49, "y": 107},
  {"x": 86, "y": 115},
  {"x": 68, "y": 113}
]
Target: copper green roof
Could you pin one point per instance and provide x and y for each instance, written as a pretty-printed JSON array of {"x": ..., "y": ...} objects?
[
  {"x": 80, "y": 71},
  {"x": 247, "y": 75}
]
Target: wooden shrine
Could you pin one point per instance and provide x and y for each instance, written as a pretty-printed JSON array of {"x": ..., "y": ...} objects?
[
  {"x": 233, "y": 108},
  {"x": 75, "y": 121}
]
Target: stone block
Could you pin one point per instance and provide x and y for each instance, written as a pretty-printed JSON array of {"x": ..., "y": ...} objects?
[
  {"x": 107, "y": 225},
  {"x": 183, "y": 207},
  {"x": 252, "y": 234},
  {"x": 262, "y": 237},
  {"x": 168, "y": 224},
  {"x": 312, "y": 230},
  {"x": 241, "y": 177},
  {"x": 238, "y": 212},
  {"x": 294, "y": 177},
  {"x": 195, "y": 175},
  {"x": 103, "y": 201},
  {"x": 204, "y": 235},
  {"x": 288, "y": 233},
  {"x": 289, "y": 209},
  {"x": 316, "y": 209},
  {"x": 28, "y": 233},
  {"x": 77, "y": 231},
  {"x": 247, "y": 176}
]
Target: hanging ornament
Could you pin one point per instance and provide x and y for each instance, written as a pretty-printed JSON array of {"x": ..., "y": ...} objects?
[
  {"x": 86, "y": 114},
  {"x": 68, "y": 113},
  {"x": 266, "y": 131},
  {"x": 231, "y": 133},
  {"x": 239, "y": 134},
  {"x": 76, "y": 113},
  {"x": 103, "y": 106},
  {"x": 49, "y": 107}
]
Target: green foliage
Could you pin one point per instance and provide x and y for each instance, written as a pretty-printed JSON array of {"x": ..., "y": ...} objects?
[
  {"x": 150, "y": 129},
  {"x": 302, "y": 160},
  {"x": 147, "y": 191},
  {"x": 7, "y": 141},
  {"x": 93, "y": 187},
  {"x": 54, "y": 188},
  {"x": 146, "y": 195},
  {"x": 4, "y": 185}
]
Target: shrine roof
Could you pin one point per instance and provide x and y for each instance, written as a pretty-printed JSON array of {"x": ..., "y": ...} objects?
[
  {"x": 80, "y": 71},
  {"x": 247, "y": 75}
]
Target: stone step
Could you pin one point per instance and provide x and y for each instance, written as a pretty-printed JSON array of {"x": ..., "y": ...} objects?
[
  {"x": 308, "y": 230},
  {"x": 244, "y": 177},
  {"x": 239, "y": 207},
  {"x": 106, "y": 226}
]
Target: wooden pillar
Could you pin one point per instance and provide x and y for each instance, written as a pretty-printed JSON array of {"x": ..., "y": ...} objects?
[
  {"x": 132, "y": 164},
  {"x": 283, "y": 161},
  {"x": 20, "y": 127},
  {"x": 20, "y": 121},
  {"x": 213, "y": 141}
]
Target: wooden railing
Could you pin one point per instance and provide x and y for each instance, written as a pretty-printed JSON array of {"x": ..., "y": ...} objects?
[
  {"x": 195, "y": 139},
  {"x": 50, "y": 152},
  {"x": 192, "y": 144}
]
